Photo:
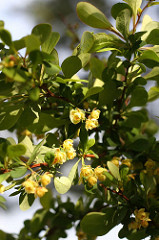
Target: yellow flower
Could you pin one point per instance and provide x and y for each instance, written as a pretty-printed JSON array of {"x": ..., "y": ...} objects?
[
  {"x": 71, "y": 154},
  {"x": 142, "y": 217},
  {"x": 92, "y": 180},
  {"x": 99, "y": 173},
  {"x": 116, "y": 160},
  {"x": 2, "y": 188},
  {"x": 94, "y": 114},
  {"x": 46, "y": 179},
  {"x": 76, "y": 115},
  {"x": 30, "y": 186},
  {"x": 133, "y": 225},
  {"x": 60, "y": 157},
  {"x": 67, "y": 144},
  {"x": 40, "y": 191},
  {"x": 86, "y": 171},
  {"x": 127, "y": 162},
  {"x": 91, "y": 123},
  {"x": 150, "y": 164}
]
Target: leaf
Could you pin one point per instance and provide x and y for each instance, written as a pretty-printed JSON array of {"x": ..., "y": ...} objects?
[
  {"x": 51, "y": 42},
  {"x": 153, "y": 94},
  {"x": 26, "y": 201},
  {"x": 96, "y": 66},
  {"x": 85, "y": 58},
  {"x": 148, "y": 25},
  {"x": 83, "y": 135},
  {"x": 18, "y": 172},
  {"x": 73, "y": 171},
  {"x": 118, "y": 7},
  {"x": 16, "y": 150},
  {"x": 92, "y": 91},
  {"x": 153, "y": 37},
  {"x": 46, "y": 200},
  {"x": 34, "y": 94},
  {"x": 42, "y": 31},
  {"x": 149, "y": 58},
  {"x": 70, "y": 66},
  {"x": 90, "y": 143},
  {"x": 17, "y": 75},
  {"x": 62, "y": 184},
  {"x": 139, "y": 145},
  {"x": 28, "y": 144},
  {"x": 139, "y": 97},
  {"x": 52, "y": 69},
  {"x": 114, "y": 170},
  {"x": 36, "y": 151},
  {"x": 135, "y": 5},
  {"x": 87, "y": 42},
  {"x": 123, "y": 21},
  {"x": 94, "y": 224},
  {"x": 32, "y": 43},
  {"x": 4, "y": 177},
  {"x": 6, "y": 37},
  {"x": 19, "y": 44},
  {"x": 92, "y": 16},
  {"x": 153, "y": 74}
]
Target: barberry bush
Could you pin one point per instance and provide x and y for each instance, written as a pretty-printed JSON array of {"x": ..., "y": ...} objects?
[{"x": 100, "y": 124}]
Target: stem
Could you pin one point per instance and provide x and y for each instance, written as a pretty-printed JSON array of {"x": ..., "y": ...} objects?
[
  {"x": 41, "y": 75},
  {"x": 120, "y": 193},
  {"x": 117, "y": 33},
  {"x": 139, "y": 16}
]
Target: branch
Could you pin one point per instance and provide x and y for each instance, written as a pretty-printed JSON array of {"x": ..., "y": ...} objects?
[{"x": 120, "y": 193}]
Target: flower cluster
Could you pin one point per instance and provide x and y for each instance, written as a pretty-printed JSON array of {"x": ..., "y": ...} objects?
[
  {"x": 141, "y": 219},
  {"x": 77, "y": 115},
  {"x": 67, "y": 152},
  {"x": 92, "y": 175},
  {"x": 38, "y": 188}
]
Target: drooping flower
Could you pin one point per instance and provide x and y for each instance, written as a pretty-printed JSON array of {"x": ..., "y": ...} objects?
[
  {"x": 40, "y": 191},
  {"x": 77, "y": 115},
  {"x": 46, "y": 179},
  {"x": 60, "y": 157},
  {"x": 91, "y": 124},
  {"x": 94, "y": 114},
  {"x": 30, "y": 186}
]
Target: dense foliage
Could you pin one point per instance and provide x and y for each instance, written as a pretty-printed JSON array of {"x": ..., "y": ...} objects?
[{"x": 99, "y": 124}]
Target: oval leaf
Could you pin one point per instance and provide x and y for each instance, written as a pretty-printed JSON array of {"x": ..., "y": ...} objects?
[
  {"x": 94, "y": 224},
  {"x": 92, "y": 16},
  {"x": 62, "y": 184},
  {"x": 114, "y": 170},
  {"x": 70, "y": 66}
]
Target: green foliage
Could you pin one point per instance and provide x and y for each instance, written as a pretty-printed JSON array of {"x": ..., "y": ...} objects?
[{"x": 99, "y": 124}]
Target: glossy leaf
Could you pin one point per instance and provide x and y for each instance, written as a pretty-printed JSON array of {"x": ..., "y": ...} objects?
[
  {"x": 32, "y": 43},
  {"x": 87, "y": 42},
  {"x": 114, "y": 170},
  {"x": 123, "y": 21},
  {"x": 92, "y": 91},
  {"x": 26, "y": 201},
  {"x": 92, "y": 16},
  {"x": 16, "y": 150},
  {"x": 153, "y": 37},
  {"x": 117, "y": 8},
  {"x": 6, "y": 37},
  {"x": 70, "y": 66},
  {"x": 135, "y": 5}
]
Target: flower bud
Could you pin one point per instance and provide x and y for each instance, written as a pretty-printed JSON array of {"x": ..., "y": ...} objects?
[
  {"x": 76, "y": 115},
  {"x": 46, "y": 179},
  {"x": 94, "y": 114},
  {"x": 99, "y": 173},
  {"x": 92, "y": 180},
  {"x": 133, "y": 225},
  {"x": 40, "y": 191},
  {"x": 91, "y": 123},
  {"x": 30, "y": 186},
  {"x": 60, "y": 157},
  {"x": 67, "y": 144}
]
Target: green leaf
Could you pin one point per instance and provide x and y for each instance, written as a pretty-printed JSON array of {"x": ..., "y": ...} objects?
[
  {"x": 135, "y": 5},
  {"x": 62, "y": 184},
  {"x": 6, "y": 37},
  {"x": 94, "y": 224},
  {"x": 85, "y": 58},
  {"x": 109, "y": 94},
  {"x": 96, "y": 66},
  {"x": 42, "y": 31},
  {"x": 92, "y": 91},
  {"x": 139, "y": 97},
  {"x": 118, "y": 7},
  {"x": 139, "y": 145},
  {"x": 26, "y": 201},
  {"x": 46, "y": 200},
  {"x": 148, "y": 25},
  {"x": 153, "y": 74},
  {"x": 92, "y": 16},
  {"x": 34, "y": 94},
  {"x": 83, "y": 137},
  {"x": 73, "y": 171},
  {"x": 90, "y": 143},
  {"x": 1, "y": 24},
  {"x": 123, "y": 21},
  {"x": 32, "y": 43},
  {"x": 153, "y": 94},
  {"x": 51, "y": 42},
  {"x": 153, "y": 37},
  {"x": 17, "y": 75},
  {"x": 70, "y": 66},
  {"x": 19, "y": 44},
  {"x": 16, "y": 150},
  {"x": 149, "y": 58},
  {"x": 153, "y": 4},
  {"x": 18, "y": 172},
  {"x": 114, "y": 170},
  {"x": 87, "y": 42},
  {"x": 4, "y": 177},
  {"x": 135, "y": 118},
  {"x": 36, "y": 151},
  {"x": 52, "y": 69}
]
